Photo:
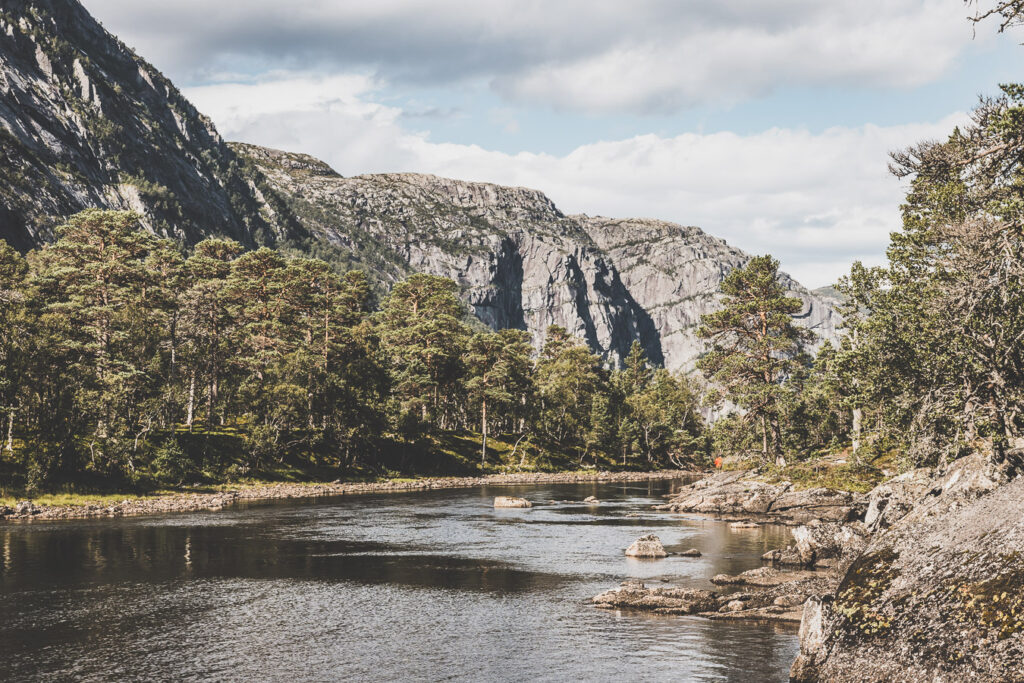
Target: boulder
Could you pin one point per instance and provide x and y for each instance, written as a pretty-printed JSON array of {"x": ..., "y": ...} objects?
[
  {"x": 646, "y": 546},
  {"x": 692, "y": 552},
  {"x": 511, "y": 502},
  {"x": 787, "y": 556},
  {"x": 738, "y": 492},
  {"x": 592, "y": 500},
  {"x": 829, "y": 540},
  {"x": 663, "y": 600},
  {"x": 890, "y": 501},
  {"x": 26, "y": 507}
]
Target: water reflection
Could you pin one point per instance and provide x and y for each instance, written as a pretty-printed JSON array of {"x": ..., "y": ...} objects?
[{"x": 414, "y": 586}]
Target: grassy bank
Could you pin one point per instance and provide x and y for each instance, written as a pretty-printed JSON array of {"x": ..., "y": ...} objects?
[
  {"x": 448, "y": 454},
  {"x": 838, "y": 470}
]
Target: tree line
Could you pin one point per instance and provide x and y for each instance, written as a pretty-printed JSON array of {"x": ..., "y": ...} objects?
[
  {"x": 124, "y": 359},
  {"x": 930, "y": 361}
]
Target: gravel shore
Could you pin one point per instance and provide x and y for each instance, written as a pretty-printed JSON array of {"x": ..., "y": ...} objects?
[{"x": 190, "y": 502}]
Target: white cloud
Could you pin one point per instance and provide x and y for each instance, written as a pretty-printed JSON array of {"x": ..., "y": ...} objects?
[
  {"x": 584, "y": 55},
  {"x": 815, "y": 200}
]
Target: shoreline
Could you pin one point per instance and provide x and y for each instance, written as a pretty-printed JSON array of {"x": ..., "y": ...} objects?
[{"x": 199, "y": 502}]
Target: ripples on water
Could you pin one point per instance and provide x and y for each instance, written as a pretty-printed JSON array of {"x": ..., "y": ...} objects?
[{"x": 410, "y": 586}]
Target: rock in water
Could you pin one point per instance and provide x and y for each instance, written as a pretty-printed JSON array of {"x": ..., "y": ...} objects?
[
  {"x": 511, "y": 502},
  {"x": 591, "y": 499},
  {"x": 740, "y": 493},
  {"x": 634, "y": 595},
  {"x": 692, "y": 552},
  {"x": 646, "y": 546}
]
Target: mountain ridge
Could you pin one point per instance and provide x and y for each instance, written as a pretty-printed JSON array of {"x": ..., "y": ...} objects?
[{"x": 84, "y": 121}]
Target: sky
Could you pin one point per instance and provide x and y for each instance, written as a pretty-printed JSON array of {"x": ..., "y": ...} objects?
[{"x": 767, "y": 123}]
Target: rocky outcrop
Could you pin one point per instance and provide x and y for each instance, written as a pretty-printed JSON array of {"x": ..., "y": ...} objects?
[
  {"x": 520, "y": 261},
  {"x": 739, "y": 493},
  {"x": 511, "y": 502},
  {"x": 762, "y": 577},
  {"x": 673, "y": 272},
  {"x": 85, "y": 122},
  {"x": 938, "y": 595},
  {"x": 662, "y": 600},
  {"x": 646, "y": 546}
]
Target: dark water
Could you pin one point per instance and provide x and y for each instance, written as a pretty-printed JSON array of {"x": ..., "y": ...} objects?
[{"x": 411, "y": 586}]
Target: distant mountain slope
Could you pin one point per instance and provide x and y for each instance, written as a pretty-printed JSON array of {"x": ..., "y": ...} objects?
[
  {"x": 85, "y": 122},
  {"x": 521, "y": 262},
  {"x": 674, "y": 273}
]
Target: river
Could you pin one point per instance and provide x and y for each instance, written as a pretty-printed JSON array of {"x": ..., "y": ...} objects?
[{"x": 423, "y": 586}]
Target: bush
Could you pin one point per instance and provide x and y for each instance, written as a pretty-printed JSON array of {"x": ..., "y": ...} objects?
[{"x": 171, "y": 465}]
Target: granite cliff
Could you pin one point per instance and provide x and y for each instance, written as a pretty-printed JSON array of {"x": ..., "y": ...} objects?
[
  {"x": 522, "y": 262},
  {"x": 86, "y": 122}
]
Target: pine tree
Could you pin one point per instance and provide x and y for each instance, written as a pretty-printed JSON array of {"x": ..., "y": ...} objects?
[{"x": 754, "y": 345}]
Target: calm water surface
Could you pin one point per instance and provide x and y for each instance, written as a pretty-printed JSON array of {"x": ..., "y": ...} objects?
[{"x": 410, "y": 586}]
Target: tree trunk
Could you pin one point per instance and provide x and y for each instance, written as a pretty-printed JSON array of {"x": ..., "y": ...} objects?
[
  {"x": 858, "y": 418},
  {"x": 191, "y": 400},
  {"x": 764, "y": 438},
  {"x": 483, "y": 428},
  {"x": 10, "y": 430}
]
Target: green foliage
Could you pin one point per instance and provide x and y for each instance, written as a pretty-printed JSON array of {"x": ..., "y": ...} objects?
[
  {"x": 938, "y": 357},
  {"x": 754, "y": 346},
  {"x": 125, "y": 363}
]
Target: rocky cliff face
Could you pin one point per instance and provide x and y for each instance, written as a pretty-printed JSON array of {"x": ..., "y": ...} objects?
[
  {"x": 673, "y": 272},
  {"x": 85, "y": 122},
  {"x": 521, "y": 262}
]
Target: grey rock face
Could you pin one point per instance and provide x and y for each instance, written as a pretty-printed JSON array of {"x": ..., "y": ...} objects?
[
  {"x": 938, "y": 595},
  {"x": 520, "y": 261},
  {"x": 84, "y": 122},
  {"x": 674, "y": 272},
  {"x": 736, "y": 493}
]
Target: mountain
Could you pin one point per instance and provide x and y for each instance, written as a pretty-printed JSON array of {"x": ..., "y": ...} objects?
[
  {"x": 522, "y": 262},
  {"x": 86, "y": 122}
]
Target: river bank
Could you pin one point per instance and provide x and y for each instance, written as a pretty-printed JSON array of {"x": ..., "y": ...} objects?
[{"x": 217, "y": 500}]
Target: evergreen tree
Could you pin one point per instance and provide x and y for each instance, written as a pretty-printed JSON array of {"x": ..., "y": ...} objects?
[
  {"x": 422, "y": 331},
  {"x": 754, "y": 345}
]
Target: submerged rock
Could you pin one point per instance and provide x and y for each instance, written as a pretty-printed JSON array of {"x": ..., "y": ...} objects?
[
  {"x": 511, "y": 502},
  {"x": 663, "y": 600},
  {"x": 646, "y": 546},
  {"x": 591, "y": 499},
  {"x": 692, "y": 552}
]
